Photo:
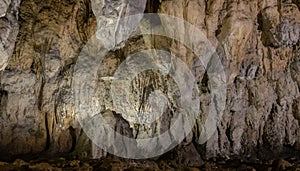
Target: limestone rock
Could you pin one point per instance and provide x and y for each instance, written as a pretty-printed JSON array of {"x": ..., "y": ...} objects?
[
  {"x": 281, "y": 164},
  {"x": 280, "y": 27},
  {"x": 9, "y": 29},
  {"x": 257, "y": 42}
]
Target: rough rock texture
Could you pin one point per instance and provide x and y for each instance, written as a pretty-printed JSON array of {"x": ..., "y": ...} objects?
[
  {"x": 36, "y": 101},
  {"x": 9, "y": 29},
  {"x": 59, "y": 164},
  {"x": 258, "y": 42}
]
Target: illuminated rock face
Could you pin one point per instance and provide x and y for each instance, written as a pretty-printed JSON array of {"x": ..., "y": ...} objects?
[
  {"x": 257, "y": 41},
  {"x": 9, "y": 29}
]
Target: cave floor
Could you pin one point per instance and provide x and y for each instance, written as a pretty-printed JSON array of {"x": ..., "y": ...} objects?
[{"x": 61, "y": 163}]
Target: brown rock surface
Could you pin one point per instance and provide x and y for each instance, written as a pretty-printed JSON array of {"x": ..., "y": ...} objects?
[
  {"x": 257, "y": 41},
  {"x": 150, "y": 165}
]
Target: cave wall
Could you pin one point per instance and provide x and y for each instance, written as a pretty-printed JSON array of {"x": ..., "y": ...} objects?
[{"x": 258, "y": 42}]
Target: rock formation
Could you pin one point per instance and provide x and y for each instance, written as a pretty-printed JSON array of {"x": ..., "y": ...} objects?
[{"x": 257, "y": 42}]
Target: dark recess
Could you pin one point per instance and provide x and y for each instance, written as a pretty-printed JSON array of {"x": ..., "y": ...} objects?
[{"x": 152, "y": 6}]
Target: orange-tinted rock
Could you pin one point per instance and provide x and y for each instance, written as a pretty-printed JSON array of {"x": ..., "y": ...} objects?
[{"x": 257, "y": 41}]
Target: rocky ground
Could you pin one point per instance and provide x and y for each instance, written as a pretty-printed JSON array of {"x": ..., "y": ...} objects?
[{"x": 61, "y": 163}]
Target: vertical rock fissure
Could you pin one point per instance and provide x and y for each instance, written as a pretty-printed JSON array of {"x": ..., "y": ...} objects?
[
  {"x": 48, "y": 138},
  {"x": 72, "y": 132},
  {"x": 3, "y": 101},
  {"x": 152, "y": 6}
]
